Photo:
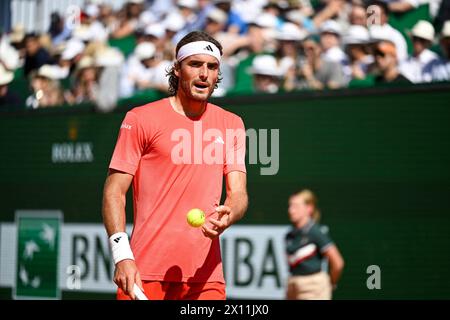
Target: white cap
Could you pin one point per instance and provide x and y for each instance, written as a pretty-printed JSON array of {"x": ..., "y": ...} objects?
[
  {"x": 49, "y": 71},
  {"x": 266, "y": 20},
  {"x": 109, "y": 57},
  {"x": 145, "y": 18},
  {"x": 85, "y": 62},
  {"x": 92, "y": 10},
  {"x": 331, "y": 26},
  {"x": 174, "y": 22},
  {"x": 445, "y": 32},
  {"x": 290, "y": 31},
  {"x": 17, "y": 33},
  {"x": 265, "y": 65},
  {"x": 5, "y": 76},
  {"x": 424, "y": 30},
  {"x": 356, "y": 35},
  {"x": 217, "y": 15},
  {"x": 145, "y": 50},
  {"x": 73, "y": 48},
  {"x": 191, "y": 4},
  {"x": 378, "y": 33},
  {"x": 156, "y": 30}
]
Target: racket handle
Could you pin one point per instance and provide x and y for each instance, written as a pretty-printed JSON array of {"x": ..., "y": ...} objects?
[{"x": 138, "y": 293}]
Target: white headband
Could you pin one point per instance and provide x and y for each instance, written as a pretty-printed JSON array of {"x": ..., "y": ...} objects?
[{"x": 198, "y": 47}]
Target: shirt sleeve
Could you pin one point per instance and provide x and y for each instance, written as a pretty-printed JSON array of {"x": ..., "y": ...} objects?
[
  {"x": 235, "y": 148},
  {"x": 130, "y": 145},
  {"x": 322, "y": 238}
]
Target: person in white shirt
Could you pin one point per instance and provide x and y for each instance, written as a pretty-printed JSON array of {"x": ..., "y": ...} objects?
[
  {"x": 422, "y": 36},
  {"x": 144, "y": 70},
  {"x": 380, "y": 29},
  {"x": 439, "y": 70}
]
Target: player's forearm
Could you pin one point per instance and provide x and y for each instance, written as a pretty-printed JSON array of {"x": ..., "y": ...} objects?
[
  {"x": 113, "y": 210},
  {"x": 238, "y": 202},
  {"x": 336, "y": 272}
]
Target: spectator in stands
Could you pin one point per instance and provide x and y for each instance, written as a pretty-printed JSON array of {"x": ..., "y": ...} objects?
[
  {"x": 234, "y": 24},
  {"x": 308, "y": 244},
  {"x": 145, "y": 70},
  {"x": 384, "y": 31},
  {"x": 7, "y": 97},
  {"x": 289, "y": 38},
  {"x": 357, "y": 47},
  {"x": 35, "y": 55},
  {"x": 188, "y": 10},
  {"x": 439, "y": 70},
  {"x": 336, "y": 10},
  {"x": 58, "y": 30},
  {"x": 70, "y": 56},
  {"x": 317, "y": 73},
  {"x": 129, "y": 18},
  {"x": 257, "y": 42},
  {"x": 386, "y": 64},
  {"x": 46, "y": 89},
  {"x": 267, "y": 76},
  {"x": 330, "y": 41},
  {"x": 422, "y": 37},
  {"x": 9, "y": 56}
]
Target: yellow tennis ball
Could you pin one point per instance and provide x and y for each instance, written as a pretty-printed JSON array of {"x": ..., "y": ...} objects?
[{"x": 196, "y": 217}]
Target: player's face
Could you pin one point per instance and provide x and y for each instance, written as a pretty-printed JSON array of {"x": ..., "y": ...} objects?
[
  {"x": 298, "y": 209},
  {"x": 198, "y": 75}
]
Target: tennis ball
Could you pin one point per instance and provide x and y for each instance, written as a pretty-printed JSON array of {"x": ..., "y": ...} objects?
[{"x": 196, "y": 217}]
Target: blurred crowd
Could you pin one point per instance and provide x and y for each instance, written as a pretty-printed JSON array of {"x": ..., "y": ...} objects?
[{"x": 269, "y": 46}]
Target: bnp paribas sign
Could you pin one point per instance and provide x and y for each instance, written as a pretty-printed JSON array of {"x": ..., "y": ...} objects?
[{"x": 38, "y": 234}]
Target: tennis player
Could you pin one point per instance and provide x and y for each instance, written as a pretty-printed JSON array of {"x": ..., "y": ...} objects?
[{"x": 175, "y": 152}]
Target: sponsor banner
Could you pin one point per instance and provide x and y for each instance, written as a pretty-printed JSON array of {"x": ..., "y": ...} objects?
[{"x": 254, "y": 261}]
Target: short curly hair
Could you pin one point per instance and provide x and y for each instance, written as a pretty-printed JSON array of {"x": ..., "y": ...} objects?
[{"x": 190, "y": 37}]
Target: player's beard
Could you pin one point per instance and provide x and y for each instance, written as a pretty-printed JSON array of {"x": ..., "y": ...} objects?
[{"x": 190, "y": 90}]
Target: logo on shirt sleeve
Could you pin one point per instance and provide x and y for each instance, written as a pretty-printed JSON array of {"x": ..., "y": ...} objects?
[{"x": 126, "y": 126}]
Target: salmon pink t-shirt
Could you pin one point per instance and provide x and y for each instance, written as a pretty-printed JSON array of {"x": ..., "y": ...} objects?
[{"x": 178, "y": 164}]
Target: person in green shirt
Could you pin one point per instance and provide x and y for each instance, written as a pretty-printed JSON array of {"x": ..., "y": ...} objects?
[{"x": 307, "y": 245}]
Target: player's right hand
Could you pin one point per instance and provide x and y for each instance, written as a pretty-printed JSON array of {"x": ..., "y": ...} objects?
[{"x": 126, "y": 275}]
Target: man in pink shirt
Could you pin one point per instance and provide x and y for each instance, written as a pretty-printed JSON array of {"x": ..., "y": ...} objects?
[{"x": 175, "y": 152}]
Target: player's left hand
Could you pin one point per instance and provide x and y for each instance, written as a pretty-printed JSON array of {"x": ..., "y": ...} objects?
[{"x": 219, "y": 225}]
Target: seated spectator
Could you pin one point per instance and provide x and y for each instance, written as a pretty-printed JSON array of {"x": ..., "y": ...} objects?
[
  {"x": 422, "y": 36},
  {"x": 7, "y": 97},
  {"x": 129, "y": 18},
  {"x": 145, "y": 70},
  {"x": 386, "y": 64},
  {"x": 317, "y": 73},
  {"x": 357, "y": 47},
  {"x": 267, "y": 76},
  {"x": 439, "y": 70},
  {"x": 58, "y": 30},
  {"x": 35, "y": 55},
  {"x": 97, "y": 79},
  {"x": 289, "y": 38},
  {"x": 234, "y": 24},
  {"x": 384, "y": 31},
  {"x": 330, "y": 40},
  {"x": 9, "y": 56},
  {"x": 46, "y": 89}
]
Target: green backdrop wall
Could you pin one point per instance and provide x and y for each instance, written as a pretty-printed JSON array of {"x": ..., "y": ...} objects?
[{"x": 379, "y": 161}]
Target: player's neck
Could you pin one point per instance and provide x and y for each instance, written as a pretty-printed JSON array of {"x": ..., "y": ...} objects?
[
  {"x": 188, "y": 107},
  {"x": 302, "y": 222}
]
